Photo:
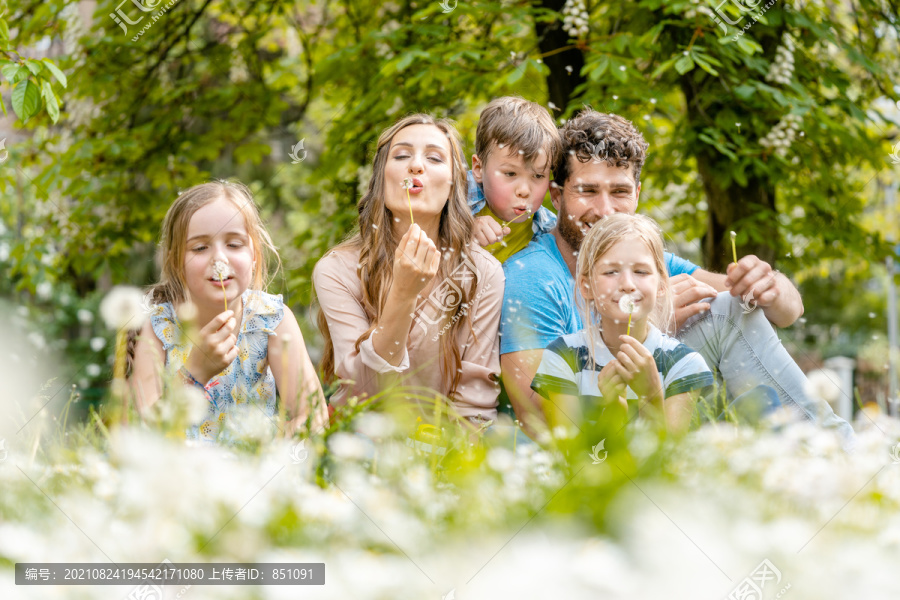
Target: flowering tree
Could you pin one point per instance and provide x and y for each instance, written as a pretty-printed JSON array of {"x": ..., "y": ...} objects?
[{"x": 762, "y": 109}]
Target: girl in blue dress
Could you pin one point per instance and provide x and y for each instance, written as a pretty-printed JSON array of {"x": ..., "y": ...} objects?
[{"x": 214, "y": 255}]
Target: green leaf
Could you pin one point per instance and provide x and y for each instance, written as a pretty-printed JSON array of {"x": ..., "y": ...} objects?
[
  {"x": 405, "y": 61},
  {"x": 516, "y": 75},
  {"x": 26, "y": 100},
  {"x": 748, "y": 46},
  {"x": 3, "y": 106},
  {"x": 744, "y": 91},
  {"x": 684, "y": 64},
  {"x": 663, "y": 67},
  {"x": 55, "y": 71},
  {"x": 600, "y": 68},
  {"x": 52, "y": 104},
  {"x": 33, "y": 66},
  {"x": 4, "y": 30},
  {"x": 14, "y": 73},
  {"x": 704, "y": 64}
]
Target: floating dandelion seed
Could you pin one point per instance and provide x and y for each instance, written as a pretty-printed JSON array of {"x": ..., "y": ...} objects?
[
  {"x": 406, "y": 184},
  {"x": 626, "y": 305},
  {"x": 221, "y": 270},
  {"x": 733, "y": 249}
]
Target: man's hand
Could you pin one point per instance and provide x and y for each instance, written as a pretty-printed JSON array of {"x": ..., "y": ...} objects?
[
  {"x": 753, "y": 275},
  {"x": 488, "y": 231},
  {"x": 686, "y": 295}
]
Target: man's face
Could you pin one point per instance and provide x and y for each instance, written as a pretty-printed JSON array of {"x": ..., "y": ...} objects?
[{"x": 594, "y": 190}]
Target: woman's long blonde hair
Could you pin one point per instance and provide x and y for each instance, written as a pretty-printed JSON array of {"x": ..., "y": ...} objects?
[
  {"x": 172, "y": 284},
  {"x": 605, "y": 234},
  {"x": 377, "y": 242}
]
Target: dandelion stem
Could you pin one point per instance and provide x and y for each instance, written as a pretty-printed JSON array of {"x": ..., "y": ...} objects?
[
  {"x": 733, "y": 249},
  {"x": 527, "y": 212},
  {"x": 409, "y": 201},
  {"x": 628, "y": 331},
  {"x": 224, "y": 295}
]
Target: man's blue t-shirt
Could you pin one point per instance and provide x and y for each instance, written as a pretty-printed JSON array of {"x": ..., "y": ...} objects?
[{"x": 539, "y": 301}]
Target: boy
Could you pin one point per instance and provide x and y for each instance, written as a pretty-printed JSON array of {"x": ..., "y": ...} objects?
[{"x": 515, "y": 144}]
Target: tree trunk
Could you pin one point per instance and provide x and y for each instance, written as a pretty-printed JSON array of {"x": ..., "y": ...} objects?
[
  {"x": 727, "y": 207},
  {"x": 729, "y": 204},
  {"x": 560, "y": 82}
]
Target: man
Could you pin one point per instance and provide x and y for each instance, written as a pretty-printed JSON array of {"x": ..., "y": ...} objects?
[{"x": 598, "y": 174}]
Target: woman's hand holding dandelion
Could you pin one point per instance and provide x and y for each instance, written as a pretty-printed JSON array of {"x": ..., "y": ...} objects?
[
  {"x": 215, "y": 349},
  {"x": 416, "y": 262}
]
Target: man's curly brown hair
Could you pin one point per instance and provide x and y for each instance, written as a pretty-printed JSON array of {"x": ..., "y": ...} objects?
[{"x": 602, "y": 136}]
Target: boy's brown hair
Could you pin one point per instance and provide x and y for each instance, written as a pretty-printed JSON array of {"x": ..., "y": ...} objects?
[
  {"x": 594, "y": 135},
  {"x": 519, "y": 124}
]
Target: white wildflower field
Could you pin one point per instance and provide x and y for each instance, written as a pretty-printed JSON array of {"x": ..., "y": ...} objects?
[{"x": 726, "y": 512}]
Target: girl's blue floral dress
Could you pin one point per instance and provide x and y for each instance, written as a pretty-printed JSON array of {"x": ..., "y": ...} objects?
[{"x": 246, "y": 380}]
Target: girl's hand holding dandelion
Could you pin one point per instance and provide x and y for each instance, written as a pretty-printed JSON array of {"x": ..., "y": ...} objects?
[{"x": 215, "y": 349}]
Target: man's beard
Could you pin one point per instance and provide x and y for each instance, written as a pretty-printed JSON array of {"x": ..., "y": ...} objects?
[{"x": 569, "y": 230}]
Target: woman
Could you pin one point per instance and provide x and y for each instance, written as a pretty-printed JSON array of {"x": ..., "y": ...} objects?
[{"x": 410, "y": 292}]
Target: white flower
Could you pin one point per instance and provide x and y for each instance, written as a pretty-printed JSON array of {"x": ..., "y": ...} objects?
[
  {"x": 575, "y": 18},
  {"x": 782, "y": 67},
  {"x": 122, "y": 308},
  {"x": 626, "y": 304},
  {"x": 197, "y": 405},
  {"x": 186, "y": 312},
  {"x": 37, "y": 340},
  {"x": 407, "y": 183},
  {"x": 347, "y": 446},
  {"x": 221, "y": 270},
  {"x": 44, "y": 289},
  {"x": 97, "y": 344},
  {"x": 374, "y": 425},
  {"x": 92, "y": 370},
  {"x": 85, "y": 316}
]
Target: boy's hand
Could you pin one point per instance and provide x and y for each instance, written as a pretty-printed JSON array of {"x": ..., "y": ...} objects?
[
  {"x": 488, "y": 231},
  {"x": 216, "y": 348},
  {"x": 637, "y": 368}
]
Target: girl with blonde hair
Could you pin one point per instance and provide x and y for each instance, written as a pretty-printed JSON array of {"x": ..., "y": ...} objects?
[
  {"x": 215, "y": 254},
  {"x": 621, "y": 360}
]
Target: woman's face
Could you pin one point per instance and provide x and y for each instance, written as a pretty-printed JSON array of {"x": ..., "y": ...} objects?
[{"x": 421, "y": 154}]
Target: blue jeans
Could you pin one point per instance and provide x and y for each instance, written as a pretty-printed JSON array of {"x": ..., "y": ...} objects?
[{"x": 744, "y": 350}]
